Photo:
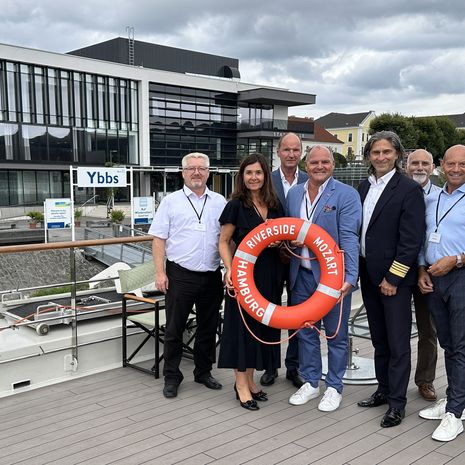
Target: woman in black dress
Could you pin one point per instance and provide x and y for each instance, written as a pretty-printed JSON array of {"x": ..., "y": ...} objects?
[{"x": 252, "y": 202}]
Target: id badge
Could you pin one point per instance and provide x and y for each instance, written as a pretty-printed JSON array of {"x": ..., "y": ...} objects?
[
  {"x": 200, "y": 227},
  {"x": 435, "y": 237}
]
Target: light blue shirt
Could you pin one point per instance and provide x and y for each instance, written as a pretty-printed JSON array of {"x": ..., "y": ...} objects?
[{"x": 451, "y": 227}]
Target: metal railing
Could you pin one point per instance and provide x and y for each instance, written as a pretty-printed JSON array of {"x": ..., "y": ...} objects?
[{"x": 73, "y": 246}]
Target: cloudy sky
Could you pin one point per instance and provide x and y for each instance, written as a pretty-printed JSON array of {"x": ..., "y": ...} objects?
[{"x": 405, "y": 56}]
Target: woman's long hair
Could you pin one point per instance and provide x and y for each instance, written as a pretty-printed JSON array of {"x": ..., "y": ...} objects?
[{"x": 267, "y": 192}]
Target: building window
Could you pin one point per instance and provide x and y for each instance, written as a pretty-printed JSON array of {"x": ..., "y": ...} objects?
[
  {"x": 256, "y": 116},
  {"x": 184, "y": 119},
  {"x": 42, "y": 98},
  {"x": 349, "y": 138},
  {"x": 363, "y": 137}
]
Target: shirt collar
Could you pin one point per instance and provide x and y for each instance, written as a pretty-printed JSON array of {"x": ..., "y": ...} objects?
[
  {"x": 427, "y": 187},
  {"x": 320, "y": 189},
  {"x": 383, "y": 179},
  {"x": 460, "y": 189},
  {"x": 189, "y": 192},
  {"x": 283, "y": 178}
]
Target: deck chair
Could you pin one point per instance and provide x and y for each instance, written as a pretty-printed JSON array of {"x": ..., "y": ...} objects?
[
  {"x": 146, "y": 313},
  {"x": 137, "y": 288}
]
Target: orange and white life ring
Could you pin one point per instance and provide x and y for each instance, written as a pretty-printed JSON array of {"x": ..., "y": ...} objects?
[{"x": 320, "y": 302}]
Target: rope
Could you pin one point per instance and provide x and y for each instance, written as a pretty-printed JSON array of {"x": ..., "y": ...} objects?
[{"x": 232, "y": 292}]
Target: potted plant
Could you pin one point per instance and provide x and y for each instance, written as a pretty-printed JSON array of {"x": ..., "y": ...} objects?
[
  {"x": 77, "y": 217},
  {"x": 36, "y": 217},
  {"x": 117, "y": 216}
]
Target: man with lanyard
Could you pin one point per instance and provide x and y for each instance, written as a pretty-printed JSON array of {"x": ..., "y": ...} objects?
[
  {"x": 289, "y": 151},
  {"x": 337, "y": 209},
  {"x": 441, "y": 276},
  {"x": 186, "y": 232},
  {"x": 392, "y": 232},
  {"x": 419, "y": 168}
]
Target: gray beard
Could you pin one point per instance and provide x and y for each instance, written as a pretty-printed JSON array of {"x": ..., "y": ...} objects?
[{"x": 420, "y": 178}]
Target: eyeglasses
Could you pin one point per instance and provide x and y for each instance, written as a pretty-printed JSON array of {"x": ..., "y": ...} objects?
[{"x": 192, "y": 169}]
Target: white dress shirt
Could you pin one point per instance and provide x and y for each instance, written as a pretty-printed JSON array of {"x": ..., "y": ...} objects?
[
  {"x": 190, "y": 242},
  {"x": 377, "y": 187},
  {"x": 285, "y": 182},
  {"x": 307, "y": 210}
]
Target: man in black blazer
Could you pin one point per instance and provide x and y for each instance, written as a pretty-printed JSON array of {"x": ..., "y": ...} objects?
[
  {"x": 289, "y": 151},
  {"x": 392, "y": 233}
]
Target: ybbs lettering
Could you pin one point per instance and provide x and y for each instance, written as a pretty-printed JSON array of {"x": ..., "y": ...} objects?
[{"x": 105, "y": 178}]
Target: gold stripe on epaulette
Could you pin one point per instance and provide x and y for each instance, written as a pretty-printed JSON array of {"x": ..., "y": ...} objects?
[{"x": 399, "y": 269}]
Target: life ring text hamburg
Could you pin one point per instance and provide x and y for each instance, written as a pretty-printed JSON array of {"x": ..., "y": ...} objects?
[{"x": 327, "y": 252}]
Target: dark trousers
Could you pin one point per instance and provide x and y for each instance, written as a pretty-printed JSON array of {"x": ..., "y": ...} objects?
[
  {"x": 447, "y": 305},
  {"x": 292, "y": 353},
  {"x": 390, "y": 322},
  {"x": 186, "y": 289},
  {"x": 427, "y": 340}
]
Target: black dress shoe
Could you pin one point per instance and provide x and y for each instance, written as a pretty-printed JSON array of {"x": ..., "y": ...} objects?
[
  {"x": 375, "y": 400},
  {"x": 293, "y": 375},
  {"x": 268, "y": 378},
  {"x": 170, "y": 391},
  {"x": 209, "y": 382},
  {"x": 392, "y": 417}
]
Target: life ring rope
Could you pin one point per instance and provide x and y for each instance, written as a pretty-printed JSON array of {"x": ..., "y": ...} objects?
[
  {"x": 232, "y": 292},
  {"x": 309, "y": 325},
  {"x": 325, "y": 250}
]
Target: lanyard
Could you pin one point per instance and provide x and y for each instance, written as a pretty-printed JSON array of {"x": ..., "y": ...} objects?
[
  {"x": 313, "y": 208},
  {"x": 192, "y": 205},
  {"x": 429, "y": 190},
  {"x": 445, "y": 214}
]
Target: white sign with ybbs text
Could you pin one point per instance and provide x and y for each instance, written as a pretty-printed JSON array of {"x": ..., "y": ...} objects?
[{"x": 101, "y": 177}]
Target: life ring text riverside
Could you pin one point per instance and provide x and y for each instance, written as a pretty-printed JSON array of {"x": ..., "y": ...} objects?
[{"x": 328, "y": 254}]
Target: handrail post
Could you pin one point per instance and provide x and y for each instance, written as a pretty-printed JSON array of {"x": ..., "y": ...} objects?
[{"x": 74, "y": 324}]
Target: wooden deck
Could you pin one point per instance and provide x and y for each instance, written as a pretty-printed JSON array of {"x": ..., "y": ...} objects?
[{"x": 121, "y": 417}]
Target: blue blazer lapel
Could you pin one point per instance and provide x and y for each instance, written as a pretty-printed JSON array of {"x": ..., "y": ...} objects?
[
  {"x": 278, "y": 185},
  {"x": 325, "y": 196}
]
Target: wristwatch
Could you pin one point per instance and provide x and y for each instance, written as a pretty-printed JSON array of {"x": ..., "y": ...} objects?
[{"x": 459, "y": 262}]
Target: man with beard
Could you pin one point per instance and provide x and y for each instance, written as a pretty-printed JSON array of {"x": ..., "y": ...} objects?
[{"x": 420, "y": 167}]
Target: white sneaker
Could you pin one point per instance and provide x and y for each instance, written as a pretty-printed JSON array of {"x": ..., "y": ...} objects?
[
  {"x": 437, "y": 411},
  {"x": 304, "y": 394},
  {"x": 449, "y": 428},
  {"x": 330, "y": 400}
]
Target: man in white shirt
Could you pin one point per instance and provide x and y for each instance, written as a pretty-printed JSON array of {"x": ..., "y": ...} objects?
[
  {"x": 420, "y": 167},
  {"x": 186, "y": 232}
]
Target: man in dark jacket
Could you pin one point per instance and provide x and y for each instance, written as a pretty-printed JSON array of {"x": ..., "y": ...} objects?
[{"x": 392, "y": 233}]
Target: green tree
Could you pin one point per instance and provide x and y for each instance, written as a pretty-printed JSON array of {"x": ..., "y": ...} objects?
[
  {"x": 339, "y": 160},
  {"x": 430, "y": 136},
  {"x": 399, "y": 124},
  {"x": 433, "y": 133}
]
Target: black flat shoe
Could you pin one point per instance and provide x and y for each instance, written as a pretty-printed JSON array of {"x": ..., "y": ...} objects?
[
  {"x": 293, "y": 376},
  {"x": 392, "y": 417},
  {"x": 374, "y": 400},
  {"x": 170, "y": 391},
  {"x": 268, "y": 378},
  {"x": 260, "y": 395},
  {"x": 209, "y": 382},
  {"x": 249, "y": 405}
]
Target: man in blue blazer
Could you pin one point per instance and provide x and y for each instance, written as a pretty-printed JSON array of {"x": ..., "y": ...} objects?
[
  {"x": 336, "y": 208},
  {"x": 393, "y": 228},
  {"x": 289, "y": 151}
]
